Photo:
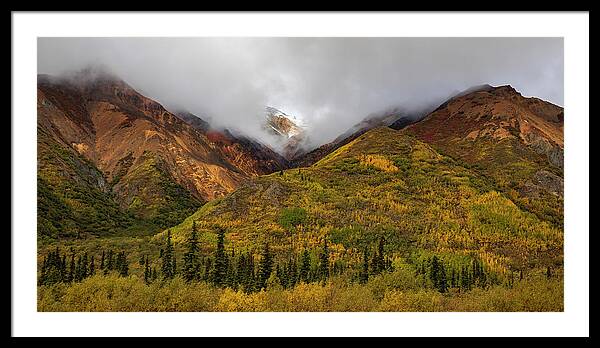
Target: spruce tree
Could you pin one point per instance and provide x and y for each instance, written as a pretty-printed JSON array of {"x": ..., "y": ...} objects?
[
  {"x": 378, "y": 263},
  {"x": 72, "y": 267},
  {"x": 110, "y": 261},
  {"x": 174, "y": 264},
  {"x": 220, "y": 267},
  {"x": 191, "y": 262},
  {"x": 84, "y": 266},
  {"x": 167, "y": 258},
  {"x": 147, "y": 272},
  {"x": 434, "y": 271},
  {"x": 291, "y": 273},
  {"x": 304, "y": 266},
  {"x": 122, "y": 265},
  {"x": 380, "y": 255},
  {"x": 63, "y": 268},
  {"x": 324, "y": 262},
  {"x": 92, "y": 266},
  {"x": 364, "y": 274},
  {"x": 265, "y": 266},
  {"x": 442, "y": 282}
]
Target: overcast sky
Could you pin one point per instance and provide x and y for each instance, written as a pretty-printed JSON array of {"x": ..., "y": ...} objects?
[{"x": 330, "y": 83}]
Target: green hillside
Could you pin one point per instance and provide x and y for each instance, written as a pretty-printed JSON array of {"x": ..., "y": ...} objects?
[
  {"x": 156, "y": 197},
  {"x": 73, "y": 197},
  {"x": 384, "y": 184}
]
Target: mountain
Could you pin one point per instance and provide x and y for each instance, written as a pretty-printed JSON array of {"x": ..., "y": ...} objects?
[
  {"x": 395, "y": 118},
  {"x": 515, "y": 140},
  {"x": 385, "y": 183},
  {"x": 289, "y": 129},
  {"x": 460, "y": 210},
  {"x": 250, "y": 155},
  {"x": 282, "y": 124},
  {"x": 478, "y": 178},
  {"x": 129, "y": 150}
]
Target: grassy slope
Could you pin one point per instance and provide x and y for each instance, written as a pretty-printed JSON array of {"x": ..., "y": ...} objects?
[
  {"x": 510, "y": 164},
  {"x": 158, "y": 198},
  {"x": 387, "y": 184}
]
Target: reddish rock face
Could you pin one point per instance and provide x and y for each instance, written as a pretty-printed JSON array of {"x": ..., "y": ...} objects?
[
  {"x": 495, "y": 114},
  {"x": 118, "y": 130}
]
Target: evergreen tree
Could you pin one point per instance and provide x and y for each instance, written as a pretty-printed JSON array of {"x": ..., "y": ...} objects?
[
  {"x": 437, "y": 274},
  {"x": 265, "y": 266},
  {"x": 324, "y": 262},
  {"x": 63, "y": 268},
  {"x": 191, "y": 262},
  {"x": 53, "y": 268},
  {"x": 378, "y": 263},
  {"x": 465, "y": 279},
  {"x": 442, "y": 282},
  {"x": 292, "y": 276},
  {"x": 147, "y": 272},
  {"x": 123, "y": 267},
  {"x": 167, "y": 258},
  {"x": 364, "y": 274},
  {"x": 84, "y": 266},
  {"x": 220, "y": 268},
  {"x": 380, "y": 255},
  {"x": 72, "y": 267},
  {"x": 304, "y": 266},
  {"x": 92, "y": 266},
  {"x": 174, "y": 264},
  {"x": 110, "y": 261}
]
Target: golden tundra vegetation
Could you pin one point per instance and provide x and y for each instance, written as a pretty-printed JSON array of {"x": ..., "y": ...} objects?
[{"x": 384, "y": 223}]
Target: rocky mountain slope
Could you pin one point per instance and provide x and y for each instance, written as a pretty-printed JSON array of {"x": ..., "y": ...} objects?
[
  {"x": 290, "y": 131},
  {"x": 252, "y": 156},
  {"x": 517, "y": 141},
  {"x": 153, "y": 164}
]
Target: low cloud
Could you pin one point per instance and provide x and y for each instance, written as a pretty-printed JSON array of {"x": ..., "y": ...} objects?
[{"x": 330, "y": 83}]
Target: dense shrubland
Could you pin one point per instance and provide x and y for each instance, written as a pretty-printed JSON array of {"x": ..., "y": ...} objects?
[{"x": 387, "y": 292}]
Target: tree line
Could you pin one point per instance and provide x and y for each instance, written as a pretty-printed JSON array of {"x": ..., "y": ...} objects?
[
  {"x": 463, "y": 277},
  {"x": 244, "y": 271},
  {"x": 57, "y": 268},
  {"x": 240, "y": 271}
]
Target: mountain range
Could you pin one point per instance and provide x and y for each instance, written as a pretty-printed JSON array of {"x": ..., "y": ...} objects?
[
  {"x": 112, "y": 161},
  {"x": 456, "y": 207},
  {"x": 113, "y": 156}
]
